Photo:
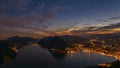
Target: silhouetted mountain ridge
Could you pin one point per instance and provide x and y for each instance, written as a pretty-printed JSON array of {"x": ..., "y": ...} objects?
[
  {"x": 18, "y": 41},
  {"x": 54, "y": 42}
]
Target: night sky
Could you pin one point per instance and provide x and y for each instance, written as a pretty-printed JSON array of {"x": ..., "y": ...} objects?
[{"x": 40, "y": 18}]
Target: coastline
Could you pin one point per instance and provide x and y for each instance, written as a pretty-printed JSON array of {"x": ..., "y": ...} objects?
[{"x": 117, "y": 58}]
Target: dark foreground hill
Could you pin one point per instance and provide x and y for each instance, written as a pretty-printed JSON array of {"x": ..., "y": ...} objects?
[{"x": 54, "y": 42}]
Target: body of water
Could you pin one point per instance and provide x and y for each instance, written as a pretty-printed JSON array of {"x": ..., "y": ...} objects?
[{"x": 37, "y": 57}]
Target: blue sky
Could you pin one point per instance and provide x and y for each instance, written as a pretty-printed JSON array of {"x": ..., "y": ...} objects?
[{"x": 50, "y": 17}]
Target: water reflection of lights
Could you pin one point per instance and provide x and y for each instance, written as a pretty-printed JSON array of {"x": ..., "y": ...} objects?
[
  {"x": 71, "y": 53},
  {"x": 104, "y": 64}
]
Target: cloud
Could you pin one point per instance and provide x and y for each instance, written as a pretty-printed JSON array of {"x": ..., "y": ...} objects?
[
  {"x": 35, "y": 20},
  {"x": 25, "y": 17},
  {"x": 12, "y": 31},
  {"x": 84, "y": 30},
  {"x": 114, "y": 18},
  {"x": 109, "y": 29},
  {"x": 107, "y": 26},
  {"x": 24, "y": 22},
  {"x": 67, "y": 27},
  {"x": 10, "y": 21},
  {"x": 48, "y": 14},
  {"x": 111, "y": 26}
]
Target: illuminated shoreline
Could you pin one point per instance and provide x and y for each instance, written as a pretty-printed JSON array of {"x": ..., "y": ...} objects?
[
  {"x": 101, "y": 53},
  {"x": 80, "y": 48}
]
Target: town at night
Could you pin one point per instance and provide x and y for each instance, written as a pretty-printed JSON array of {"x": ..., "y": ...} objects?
[{"x": 59, "y": 33}]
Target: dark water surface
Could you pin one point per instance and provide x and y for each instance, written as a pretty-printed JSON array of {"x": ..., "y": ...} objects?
[{"x": 37, "y": 57}]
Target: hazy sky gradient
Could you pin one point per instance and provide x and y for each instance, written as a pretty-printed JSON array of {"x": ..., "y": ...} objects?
[{"x": 39, "y": 18}]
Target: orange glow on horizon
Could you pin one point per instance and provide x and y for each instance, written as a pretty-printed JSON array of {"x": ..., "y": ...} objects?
[{"x": 40, "y": 34}]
